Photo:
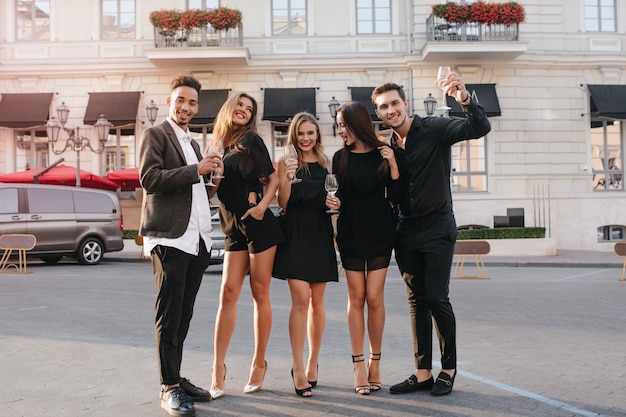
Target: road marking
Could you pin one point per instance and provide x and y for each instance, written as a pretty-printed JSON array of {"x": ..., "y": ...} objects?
[
  {"x": 582, "y": 275},
  {"x": 32, "y": 308},
  {"x": 540, "y": 398}
]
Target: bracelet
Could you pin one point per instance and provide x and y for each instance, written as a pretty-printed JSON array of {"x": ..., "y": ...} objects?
[{"x": 466, "y": 101}]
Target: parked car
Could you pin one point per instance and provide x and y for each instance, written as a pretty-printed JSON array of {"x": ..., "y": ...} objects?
[
  {"x": 82, "y": 223},
  {"x": 217, "y": 249}
]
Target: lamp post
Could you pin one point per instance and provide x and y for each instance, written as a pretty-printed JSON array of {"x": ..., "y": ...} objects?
[
  {"x": 332, "y": 107},
  {"x": 429, "y": 104},
  {"x": 75, "y": 140},
  {"x": 151, "y": 110}
]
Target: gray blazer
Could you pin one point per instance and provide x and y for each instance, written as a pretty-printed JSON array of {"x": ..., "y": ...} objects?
[{"x": 167, "y": 181}]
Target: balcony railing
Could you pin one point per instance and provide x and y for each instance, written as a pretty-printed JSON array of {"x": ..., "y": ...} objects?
[
  {"x": 198, "y": 37},
  {"x": 438, "y": 30}
]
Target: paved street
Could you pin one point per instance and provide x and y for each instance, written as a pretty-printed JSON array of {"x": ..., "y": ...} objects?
[{"x": 532, "y": 341}]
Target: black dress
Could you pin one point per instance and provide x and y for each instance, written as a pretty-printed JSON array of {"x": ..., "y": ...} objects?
[
  {"x": 309, "y": 251},
  {"x": 244, "y": 166},
  {"x": 366, "y": 223}
]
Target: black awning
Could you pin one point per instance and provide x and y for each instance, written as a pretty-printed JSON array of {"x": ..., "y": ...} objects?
[
  {"x": 608, "y": 101},
  {"x": 281, "y": 104},
  {"x": 364, "y": 96},
  {"x": 485, "y": 94},
  {"x": 119, "y": 108},
  {"x": 20, "y": 111},
  {"x": 210, "y": 103}
]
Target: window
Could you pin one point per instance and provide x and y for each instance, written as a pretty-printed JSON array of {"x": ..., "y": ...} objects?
[
  {"x": 50, "y": 201},
  {"x": 600, "y": 15},
  {"x": 8, "y": 201},
  {"x": 32, "y": 149},
  {"x": 85, "y": 202},
  {"x": 289, "y": 17},
  {"x": 33, "y": 20},
  {"x": 611, "y": 233},
  {"x": 373, "y": 16},
  {"x": 606, "y": 156},
  {"x": 118, "y": 19},
  {"x": 202, "y": 4},
  {"x": 111, "y": 159},
  {"x": 469, "y": 172}
]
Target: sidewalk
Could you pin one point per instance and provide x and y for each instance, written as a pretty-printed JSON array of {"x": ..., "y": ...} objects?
[{"x": 563, "y": 258}]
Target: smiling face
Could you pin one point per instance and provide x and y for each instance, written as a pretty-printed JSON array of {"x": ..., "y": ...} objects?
[
  {"x": 391, "y": 108},
  {"x": 306, "y": 136},
  {"x": 346, "y": 134},
  {"x": 183, "y": 104},
  {"x": 243, "y": 112}
]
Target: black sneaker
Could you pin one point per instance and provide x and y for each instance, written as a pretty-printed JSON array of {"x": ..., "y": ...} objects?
[
  {"x": 177, "y": 403},
  {"x": 194, "y": 393}
]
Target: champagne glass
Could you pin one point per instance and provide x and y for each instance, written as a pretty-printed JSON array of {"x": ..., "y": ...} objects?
[
  {"x": 442, "y": 75},
  {"x": 331, "y": 185},
  {"x": 218, "y": 148},
  {"x": 291, "y": 156}
]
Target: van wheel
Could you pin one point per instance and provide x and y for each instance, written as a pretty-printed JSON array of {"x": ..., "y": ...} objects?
[
  {"x": 90, "y": 251},
  {"x": 51, "y": 259}
]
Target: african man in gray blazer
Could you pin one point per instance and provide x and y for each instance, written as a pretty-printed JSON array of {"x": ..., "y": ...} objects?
[{"x": 176, "y": 226}]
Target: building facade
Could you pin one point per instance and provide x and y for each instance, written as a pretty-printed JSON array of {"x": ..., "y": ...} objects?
[{"x": 554, "y": 87}]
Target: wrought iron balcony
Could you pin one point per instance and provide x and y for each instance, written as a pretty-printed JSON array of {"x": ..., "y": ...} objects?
[
  {"x": 438, "y": 30},
  {"x": 198, "y": 37}
]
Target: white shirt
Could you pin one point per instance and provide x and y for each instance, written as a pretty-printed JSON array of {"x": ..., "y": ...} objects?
[{"x": 200, "y": 218}]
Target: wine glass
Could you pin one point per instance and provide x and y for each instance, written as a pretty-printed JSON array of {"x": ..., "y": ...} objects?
[
  {"x": 291, "y": 156},
  {"x": 331, "y": 185},
  {"x": 442, "y": 75},
  {"x": 217, "y": 147}
]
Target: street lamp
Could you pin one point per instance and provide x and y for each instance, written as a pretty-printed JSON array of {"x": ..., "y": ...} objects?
[
  {"x": 152, "y": 109},
  {"x": 429, "y": 104},
  {"x": 75, "y": 140},
  {"x": 332, "y": 107}
]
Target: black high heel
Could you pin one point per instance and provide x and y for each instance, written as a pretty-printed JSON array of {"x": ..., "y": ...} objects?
[
  {"x": 374, "y": 385},
  {"x": 360, "y": 389},
  {"x": 314, "y": 383},
  {"x": 303, "y": 391}
]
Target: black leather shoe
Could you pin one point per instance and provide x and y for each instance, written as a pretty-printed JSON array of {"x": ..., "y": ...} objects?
[
  {"x": 177, "y": 403},
  {"x": 193, "y": 392},
  {"x": 411, "y": 385},
  {"x": 443, "y": 385}
]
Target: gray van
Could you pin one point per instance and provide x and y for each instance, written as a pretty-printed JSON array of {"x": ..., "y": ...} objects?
[{"x": 81, "y": 223}]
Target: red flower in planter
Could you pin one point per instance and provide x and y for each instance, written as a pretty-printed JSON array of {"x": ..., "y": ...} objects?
[
  {"x": 509, "y": 13},
  {"x": 194, "y": 19},
  {"x": 165, "y": 19},
  {"x": 223, "y": 18}
]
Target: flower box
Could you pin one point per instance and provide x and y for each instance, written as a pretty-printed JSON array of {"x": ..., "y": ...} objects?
[
  {"x": 171, "y": 20},
  {"x": 509, "y": 13}
]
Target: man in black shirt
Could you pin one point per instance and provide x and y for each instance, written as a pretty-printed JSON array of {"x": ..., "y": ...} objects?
[{"x": 426, "y": 232}]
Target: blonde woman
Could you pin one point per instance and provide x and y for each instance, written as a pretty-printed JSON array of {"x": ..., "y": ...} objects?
[{"x": 307, "y": 259}]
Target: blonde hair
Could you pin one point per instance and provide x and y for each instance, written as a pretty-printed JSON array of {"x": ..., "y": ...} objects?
[{"x": 292, "y": 139}]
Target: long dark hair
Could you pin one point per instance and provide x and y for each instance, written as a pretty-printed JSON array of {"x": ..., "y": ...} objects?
[{"x": 357, "y": 120}]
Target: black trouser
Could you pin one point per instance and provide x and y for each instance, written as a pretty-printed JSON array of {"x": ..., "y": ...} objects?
[
  {"x": 178, "y": 276},
  {"x": 424, "y": 252}
]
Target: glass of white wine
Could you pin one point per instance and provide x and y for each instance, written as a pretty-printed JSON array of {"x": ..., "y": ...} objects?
[
  {"x": 331, "y": 185},
  {"x": 291, "y": 156},
  {"x": 442, "y": 75},
  {"x": 217, "y": 147}
]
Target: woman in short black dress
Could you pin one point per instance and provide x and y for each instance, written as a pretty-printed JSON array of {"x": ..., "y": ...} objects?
[
  {"x": 251, "y": 234},
  {"x": 367, "y": 172},
  {"x": 307, "y": 259}
]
